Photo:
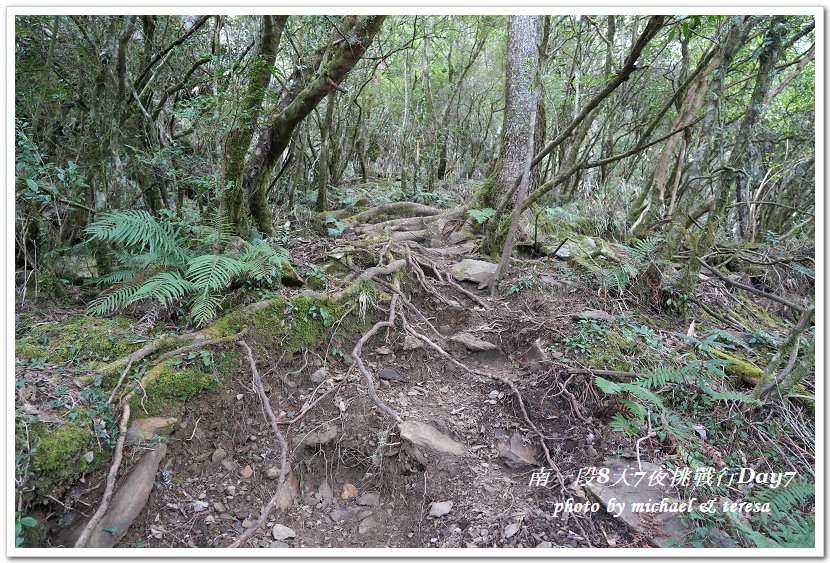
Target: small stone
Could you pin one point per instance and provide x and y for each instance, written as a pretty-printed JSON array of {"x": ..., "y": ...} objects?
[
  {"x": 412, "y": 343},
  {"x": 593, "y": 315},
  {"x": 278, "y": 544},
  {"x": 340, "y": 514},
  {"x": 239, "y": 397},
  {"x": 89, "y": 456},
  {"x": 231, "y": 490},
  {"x": 472, "y": 343},
  {"x": 209, "y": 519},
  {"x": 494, "y": 394},
  {"x": 219, "y": 507},
  {"x": 200, "y": 506},
  {"x": 273, "y": 472},
  {"x": 246, "y": 472},
  {"x": 349, "y": 491},
  {"x": 319, "y": 376},
  {"x": 364, "y": 514},
  {"x": 438, "y": 509},
  {"x": 392, "y": 374},
  {"x": 383, "y": 351},
  {"x": 366, "y": 524},
  {"x": 247, "y": 523},
  {"x": 218, "y": 454},
  {"x": 544, "y": 545},
  {"x": 281, "y": 532},
  {"x": 369, "y": 499}
]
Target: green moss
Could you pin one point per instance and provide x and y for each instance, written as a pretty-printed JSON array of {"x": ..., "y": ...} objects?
[
  {"x": 168, "y": 388},
  {"x": 740, "y": 370},
  {"x": 82, "y": 338},
  {"x": 59, "y": 454}
]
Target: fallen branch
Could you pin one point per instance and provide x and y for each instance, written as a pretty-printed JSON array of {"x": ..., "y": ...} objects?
[
  {"x": 751, "y": 289},
  {"x": 268, "y": 508}
]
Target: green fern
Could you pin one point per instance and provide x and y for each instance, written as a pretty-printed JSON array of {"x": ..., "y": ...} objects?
[
  {"x": 167, "y": 288},
  {"x": 159, "y": 264},
  {"x": 663, "y": 375},
  {"x": 136, "y": 228}
]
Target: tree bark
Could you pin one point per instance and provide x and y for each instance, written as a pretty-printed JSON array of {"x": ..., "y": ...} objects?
[{"x": 311, "y": 81}]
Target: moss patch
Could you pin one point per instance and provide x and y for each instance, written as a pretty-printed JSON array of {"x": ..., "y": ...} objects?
[
  {"x": 168, "y": 388},
  {"x": 739, "y": 370},
  {"x": 82, "y": 339},
  {"x": 59, "y": 454}
]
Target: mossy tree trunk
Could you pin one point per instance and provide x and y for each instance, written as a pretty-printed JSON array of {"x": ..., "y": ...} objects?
[
  {"x": 770, "y": 52},
  {"x": 312, "y": 80},
  {"x": 237, "y": 142}
]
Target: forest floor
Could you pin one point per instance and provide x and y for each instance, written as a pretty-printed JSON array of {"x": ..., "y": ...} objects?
[{"x": 354, "y": 482}]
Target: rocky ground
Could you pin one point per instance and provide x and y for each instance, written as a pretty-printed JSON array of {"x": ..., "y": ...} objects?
[{"x": 454, "y": 472}]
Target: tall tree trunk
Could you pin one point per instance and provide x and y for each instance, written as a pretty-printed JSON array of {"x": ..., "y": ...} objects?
[
  {"x": 309, "y": 84},
  {"x": 770, "y": 52},
  {"x": 239, "y": 139},
  {"x": 521, "y": 96}
]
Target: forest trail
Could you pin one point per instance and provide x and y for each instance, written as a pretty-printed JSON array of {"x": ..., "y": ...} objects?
[
  {"x": 340, "y": 442},
  {"x": 415, "y": 280}
]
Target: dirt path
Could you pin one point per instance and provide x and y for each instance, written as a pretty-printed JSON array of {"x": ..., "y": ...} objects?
[{"x": 357, "y": 483}]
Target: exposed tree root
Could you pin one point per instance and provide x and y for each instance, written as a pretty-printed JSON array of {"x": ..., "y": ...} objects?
[
  {"x": 269, "y": 507},
  {"x": 370, "y": 384},
  {"x": 501, "y": 379},
  {"x": 110, "y": 487}
]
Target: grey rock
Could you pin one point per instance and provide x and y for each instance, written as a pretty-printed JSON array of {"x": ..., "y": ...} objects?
[
  {"x": 199, "y": 506},
  {"x": 278, "y": 544},
  {"x": 75, "y": 268},
  {"x": 369, "y": 499},
  {"x": 426, "y": 437},
  {"x": 281, "y": 532},
  {"x": 517, "y": 453},
  {"x": 326, "y": 494},
  {"x": 320, "y": 376},
  {"x": 593, "y": 315},
  {"x": 477, "y": 271},
  {"x": 412, "y": 343},
  {"x": 472, "y": 343},
  {"x": 340, "y": 514},
  {"x": 323, "y": 435},
  {"x": 367, "y": 524},
  {"x": 438, "y": 509},
  {"x": 392, "y": 374},
  {"x": 665, "y": 528}
]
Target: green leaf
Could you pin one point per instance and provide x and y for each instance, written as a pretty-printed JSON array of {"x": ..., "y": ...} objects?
[
  {"x": 28, "y": 522},
  {"x": 112, "y": 531}
]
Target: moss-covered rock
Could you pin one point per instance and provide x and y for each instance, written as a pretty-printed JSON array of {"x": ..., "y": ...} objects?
[
  {"x": 167, "y": 388},
  {"x": 59, "y": 454},
  {"x": 739, "y": 369},
  {"x": 82, "y": 338}
]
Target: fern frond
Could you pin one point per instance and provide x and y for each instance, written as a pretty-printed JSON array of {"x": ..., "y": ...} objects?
[
  {"x": 204, "y": 307},
  {"x": 117, "y": 277},
  {"x": 785, "y": 499},
  {"x": 662, "y": 375},
  {"x": 166, "y": 288},
  {"x": 643, "y": 249},
  {"x": 112, "y": 300},
  {"x": 213, "y": 272},
  {"x": 136, "y": 228}
]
